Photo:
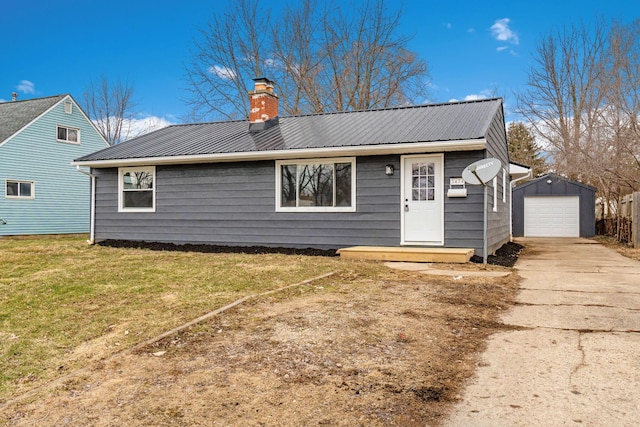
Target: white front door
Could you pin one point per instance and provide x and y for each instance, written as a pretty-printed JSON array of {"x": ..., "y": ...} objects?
[{"x": 422, "y": 200}]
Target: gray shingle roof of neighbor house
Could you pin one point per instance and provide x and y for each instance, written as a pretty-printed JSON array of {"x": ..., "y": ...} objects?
[
  {"x": 456, "y": 121},
  {"x": 14, "y": 115}
]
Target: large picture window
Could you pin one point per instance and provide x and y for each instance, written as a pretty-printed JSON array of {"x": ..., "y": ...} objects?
[
  {"x": 137, "y": 190},
  {"x": 321, "y": 185},
  {"x": 19, "y": 189}
]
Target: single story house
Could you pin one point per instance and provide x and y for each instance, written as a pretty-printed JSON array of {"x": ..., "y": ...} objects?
[
  {"x": 554, "y": 206},
  {"x": 42, "y": 192},
  {"x": 381, "y": 177}
]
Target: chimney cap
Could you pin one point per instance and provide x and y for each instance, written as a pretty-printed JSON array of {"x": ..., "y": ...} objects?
[
  {"x": 263, "y": 80},
  {"x": 14, "y": 96}
]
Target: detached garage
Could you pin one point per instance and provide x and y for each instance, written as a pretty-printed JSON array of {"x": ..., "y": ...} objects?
[{"x": 553, "y": 206}]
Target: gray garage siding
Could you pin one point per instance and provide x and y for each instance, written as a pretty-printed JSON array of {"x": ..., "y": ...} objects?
[{"x": 559, "y": 187}]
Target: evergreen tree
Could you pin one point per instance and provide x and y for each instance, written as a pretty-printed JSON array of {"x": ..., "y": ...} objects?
[{"x": 524, "y": 149}]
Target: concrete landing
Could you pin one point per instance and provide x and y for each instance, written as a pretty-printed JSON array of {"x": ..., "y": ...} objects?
[{"x": 430, "y": 269}]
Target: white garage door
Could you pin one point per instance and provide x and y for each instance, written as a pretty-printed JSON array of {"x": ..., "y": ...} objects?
[{"x": 552, "y": 216}]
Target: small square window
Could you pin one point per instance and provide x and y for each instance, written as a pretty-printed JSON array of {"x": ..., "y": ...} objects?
[
  {"x": 68, "y": 107},
  {"x": 68, "y": 134},
  {"x": 19, "y": 189}
]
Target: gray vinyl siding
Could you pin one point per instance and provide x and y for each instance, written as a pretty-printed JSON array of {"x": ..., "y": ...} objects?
[
  {"x": 234, "y": 204},
  {"x": 497, "y": 147},
  {"x": 463, "y": 215},
  {"x": 558, "y": 187}
]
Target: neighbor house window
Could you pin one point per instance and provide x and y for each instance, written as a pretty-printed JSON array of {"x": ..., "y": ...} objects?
[
  {"x": 68, "y": 134},
  {"x": 321, "y": 185},
  {"x": 137, "y": 190},
  {"x": 68, "y": 107},
  {"x": 19, "y": 189}
]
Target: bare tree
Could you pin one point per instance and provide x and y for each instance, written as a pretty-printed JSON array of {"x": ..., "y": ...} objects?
[
  {"x": 110, "y": 105},
  {"x": 323, "y": 56}
]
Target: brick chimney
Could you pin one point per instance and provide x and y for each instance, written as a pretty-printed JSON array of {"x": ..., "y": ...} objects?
[{"x": 263, "y": 101}]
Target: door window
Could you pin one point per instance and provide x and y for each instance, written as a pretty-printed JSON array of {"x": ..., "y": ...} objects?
[{"x": 423, "y": 179}]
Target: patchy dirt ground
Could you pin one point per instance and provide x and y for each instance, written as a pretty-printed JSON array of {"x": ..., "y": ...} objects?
[{"x": 341, "y": 351}]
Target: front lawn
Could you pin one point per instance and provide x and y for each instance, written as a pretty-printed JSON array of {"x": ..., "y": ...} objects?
[{"x": 58, "y": 294}]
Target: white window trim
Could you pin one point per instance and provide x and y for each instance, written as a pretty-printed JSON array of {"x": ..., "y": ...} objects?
[
  {"x": 495, "y": 193},
  {"x": 504, "y": 185},
  {"x": 121, "y": 172},
  {"x": 280, "y": 163},
  {"x": 66, "y": 141},
  {"x": 20, "y": 181}
]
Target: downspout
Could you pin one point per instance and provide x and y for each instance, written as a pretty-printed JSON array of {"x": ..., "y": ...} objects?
[
  {"x": 512, "y": 184},
  {"x": 92, "y": 209}
]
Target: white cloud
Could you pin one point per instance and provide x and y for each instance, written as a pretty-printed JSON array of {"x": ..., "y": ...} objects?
[
  {"x": 26, "y": 86},
  {"x": 222, "y": 72},
  {"x": 145, "y": 124},
  {"x": 501, "y": 48},
  {"x": 501, "y": 31},
  {"x": 483, "y": 94}
]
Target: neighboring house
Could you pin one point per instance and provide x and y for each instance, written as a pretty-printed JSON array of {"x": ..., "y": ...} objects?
[
  {"x": 42, "y": 192},
  {"x": 377, "y": 177},
  {"x": 554, "y": 206}
]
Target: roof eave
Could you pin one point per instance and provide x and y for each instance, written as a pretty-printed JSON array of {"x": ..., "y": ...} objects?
[{"x": 369, "y": 150}]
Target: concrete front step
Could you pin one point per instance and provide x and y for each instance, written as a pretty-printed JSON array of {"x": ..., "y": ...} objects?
[{"x": 407, "y": 254}]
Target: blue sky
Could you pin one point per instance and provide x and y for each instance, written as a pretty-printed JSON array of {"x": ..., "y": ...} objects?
[{"x": 473, "y": 48}]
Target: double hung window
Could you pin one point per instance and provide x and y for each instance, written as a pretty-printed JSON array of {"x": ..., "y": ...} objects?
[{"x": 137, "y": 192}]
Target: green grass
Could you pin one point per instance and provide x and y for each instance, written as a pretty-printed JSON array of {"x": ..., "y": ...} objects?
[{"x": 64, "y": 303}]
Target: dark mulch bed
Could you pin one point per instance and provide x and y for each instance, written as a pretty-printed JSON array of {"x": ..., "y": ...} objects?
[
  {"x": 190, "y": 247},
  {"x": 506, "y": 256}
]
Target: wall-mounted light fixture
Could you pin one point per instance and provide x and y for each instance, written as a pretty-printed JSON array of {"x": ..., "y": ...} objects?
[
  {"x": 388, "y": 169},
  {"x": 549, "y": 181}
]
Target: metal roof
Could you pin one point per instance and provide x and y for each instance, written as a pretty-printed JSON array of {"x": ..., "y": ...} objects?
[
  {"x": 456, "y": 121},
  {"x": 15, "y": 115}
]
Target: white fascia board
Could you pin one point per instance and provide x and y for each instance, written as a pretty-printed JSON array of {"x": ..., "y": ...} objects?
[
  {"x": 307, "y": 153},
  {"x": 517, "y": 171}
]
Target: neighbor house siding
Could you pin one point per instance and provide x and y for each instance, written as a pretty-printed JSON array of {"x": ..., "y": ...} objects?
[
  {"x": 234, "y": 204},
  {"x": 61, "y": 202}
]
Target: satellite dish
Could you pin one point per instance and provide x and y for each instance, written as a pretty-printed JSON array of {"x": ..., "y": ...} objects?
[{"x": 482, "y": 171}]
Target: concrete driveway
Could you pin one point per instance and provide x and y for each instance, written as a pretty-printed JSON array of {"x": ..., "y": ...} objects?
[{"x": 575, "y": 358}]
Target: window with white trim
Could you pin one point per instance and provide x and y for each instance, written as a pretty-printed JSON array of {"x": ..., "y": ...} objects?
[
  {"x": 19, "y": 189},
  {"x": 67, "y": 134},
  {"x": 136, "y": 189},
  {"x": 317, "y": 185}
]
